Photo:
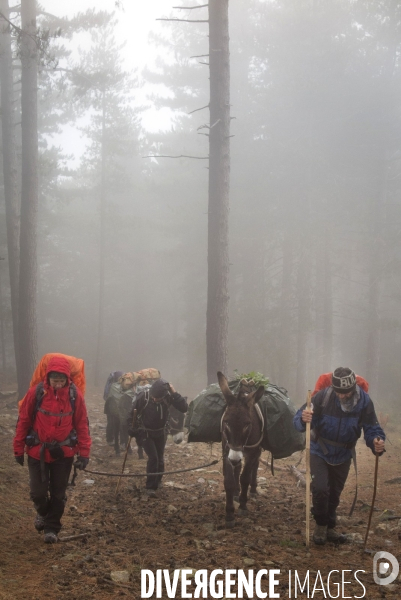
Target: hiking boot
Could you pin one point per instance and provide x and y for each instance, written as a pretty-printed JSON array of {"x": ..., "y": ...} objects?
[
  {"x": 320, "y": 534},
  {"x": 50, "y": 537},
  {"x": 150, "y": 493},
  {"x": 334, "y": 536},
  {"x": 39, "y": 523}
]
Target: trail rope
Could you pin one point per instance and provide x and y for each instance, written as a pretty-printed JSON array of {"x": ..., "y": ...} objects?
[{"x": 214, "y": 462}]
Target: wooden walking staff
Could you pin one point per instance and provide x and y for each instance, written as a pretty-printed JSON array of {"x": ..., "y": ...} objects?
[
  {"x": 126, "y": 451},
  {"x": 373, "y": 503},
  {"x": 307, "y": 476}
]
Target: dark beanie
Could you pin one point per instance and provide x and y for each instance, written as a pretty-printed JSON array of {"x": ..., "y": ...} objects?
[
  {"x": 343, "y": 380},
  {"x": 159, "y": 388}
]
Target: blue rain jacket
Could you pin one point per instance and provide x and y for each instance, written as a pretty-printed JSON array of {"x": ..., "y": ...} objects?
[{"x": 332, "y": 423}]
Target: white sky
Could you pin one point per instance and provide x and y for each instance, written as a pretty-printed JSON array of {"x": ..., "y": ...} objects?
[{"x": 136, "y": 19}]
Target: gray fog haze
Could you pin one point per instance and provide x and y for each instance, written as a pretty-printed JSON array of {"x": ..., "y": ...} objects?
[{"x": 315, "y": 190}]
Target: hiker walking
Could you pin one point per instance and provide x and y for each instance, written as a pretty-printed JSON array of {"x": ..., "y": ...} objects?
[
  {"x": 149, "y": 429},
  {"x": 52, "y": 427},
  {"x": 112, "y": 378},
  {"x": 337, "y": 416}
]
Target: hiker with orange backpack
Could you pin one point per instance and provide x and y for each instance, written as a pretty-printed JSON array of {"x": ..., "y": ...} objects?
[{"x": 52, "y": 428}]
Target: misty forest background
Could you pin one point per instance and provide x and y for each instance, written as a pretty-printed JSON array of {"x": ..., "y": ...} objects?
[{"x": 315, "y": 200}]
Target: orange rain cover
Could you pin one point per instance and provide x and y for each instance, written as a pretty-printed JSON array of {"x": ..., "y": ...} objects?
[
  {"x": 324, "y": 381},
  {"x": 77, "y": 367}
]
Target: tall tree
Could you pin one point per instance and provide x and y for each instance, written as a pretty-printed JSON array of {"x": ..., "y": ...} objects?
[
  {"x": 27, "y": 330},
  {"x": 219, "y": 189},
  {"x": 10, "y": 168}
]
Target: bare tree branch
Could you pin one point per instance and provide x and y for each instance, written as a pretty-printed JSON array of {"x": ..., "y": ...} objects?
[
  {"x": 180, "y": 156},
  {"x": 215, "y": 123},
  {"x": 190, "y": 7},
  {"x": 196, "y": 109},
  {"x": 186, "y": 20},
  {"x": 199, "y": 56},
  {"x": 203, "y": 63},
  {"x": 11, "y": 23}
]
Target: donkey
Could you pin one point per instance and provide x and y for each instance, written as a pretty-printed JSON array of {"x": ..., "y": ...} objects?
[
  {"x": 176, "y": 424},
  {"x": 241, "y": 434}
]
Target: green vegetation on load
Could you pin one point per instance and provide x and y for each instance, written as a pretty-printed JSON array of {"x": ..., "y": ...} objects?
[{"x": 257, "y": 377}]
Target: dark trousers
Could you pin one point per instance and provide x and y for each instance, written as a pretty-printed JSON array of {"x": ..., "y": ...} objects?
[
  {"x": 327, "y": 484},
  {"x": 154, "y": 448},
  {"x": 49, "y": 496}
]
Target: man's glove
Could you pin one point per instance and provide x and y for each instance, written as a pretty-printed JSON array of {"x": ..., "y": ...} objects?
[
  {"x": 81, "y": 463},
  {"x": 20, "y": 460}
]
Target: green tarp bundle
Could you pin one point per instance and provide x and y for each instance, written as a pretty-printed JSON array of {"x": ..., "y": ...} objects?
[{"x": 280, "y": 436}]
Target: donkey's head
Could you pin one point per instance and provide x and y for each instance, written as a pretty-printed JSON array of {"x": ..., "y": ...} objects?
[{"x": 238, "y": 418}]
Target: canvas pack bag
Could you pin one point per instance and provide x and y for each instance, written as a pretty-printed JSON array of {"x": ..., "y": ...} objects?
[{"x": 280, "y": 436}]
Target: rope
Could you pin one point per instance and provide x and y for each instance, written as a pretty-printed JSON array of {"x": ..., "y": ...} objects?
[{"x": 214, "y": 462}]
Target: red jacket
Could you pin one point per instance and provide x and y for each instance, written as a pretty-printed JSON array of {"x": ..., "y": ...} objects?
[
  {"x": 324, "y": 381},
  {"x": 50, "y": 428}
]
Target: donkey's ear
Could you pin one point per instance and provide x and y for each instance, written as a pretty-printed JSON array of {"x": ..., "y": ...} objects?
[
  {"x": 256, "y": 396},
  {"x": 227, "y": 393}
]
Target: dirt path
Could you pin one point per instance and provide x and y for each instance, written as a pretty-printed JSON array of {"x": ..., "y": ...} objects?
[{"x": 184, "y": 526}]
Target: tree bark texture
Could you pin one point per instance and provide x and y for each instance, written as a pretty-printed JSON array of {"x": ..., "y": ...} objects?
[
  {"x": 29, "y": 196},
  {"x": 102, "y": 251},
  {"x": 10, "y": 175},
  {"x": 219, "y": 188}
]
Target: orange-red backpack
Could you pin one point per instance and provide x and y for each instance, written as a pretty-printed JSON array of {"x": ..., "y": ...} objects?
[{"x": 77, "y": 367}]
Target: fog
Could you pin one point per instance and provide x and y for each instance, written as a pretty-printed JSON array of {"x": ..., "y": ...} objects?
[{"x": 315, "y": 219}]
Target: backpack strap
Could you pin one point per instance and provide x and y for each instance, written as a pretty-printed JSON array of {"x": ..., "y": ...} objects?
[{"x": 40, "y": 392}]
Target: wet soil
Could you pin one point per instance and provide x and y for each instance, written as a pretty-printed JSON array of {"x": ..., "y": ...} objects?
[{"x": 183, "y": 527}]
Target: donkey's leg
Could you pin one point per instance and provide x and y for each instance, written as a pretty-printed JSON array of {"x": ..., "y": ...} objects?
[
  {"x": 254, "y": 478},
  {"x": 229, "y": 486},
  {"x": 250, "y": 459}
]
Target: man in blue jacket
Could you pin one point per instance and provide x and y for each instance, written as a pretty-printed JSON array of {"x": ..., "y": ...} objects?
[{"x": 337, "y": 416}]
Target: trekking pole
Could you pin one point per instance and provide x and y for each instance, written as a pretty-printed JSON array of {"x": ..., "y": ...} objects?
[
  {"x": 373, "y": 502},
  {"x": 126, "y": 451},
  {"x": 307, "y": 476}
]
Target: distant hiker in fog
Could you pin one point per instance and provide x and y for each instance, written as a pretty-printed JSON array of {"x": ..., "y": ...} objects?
[
  {"x": 52, "y": 428},
  {"x": 338, "y": 414},
  {"x": 149, "y": 428},
  {"x": 112, "y": 378}
]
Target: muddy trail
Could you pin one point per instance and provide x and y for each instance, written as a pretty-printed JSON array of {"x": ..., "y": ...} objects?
[{"x": 183, "y": 528}]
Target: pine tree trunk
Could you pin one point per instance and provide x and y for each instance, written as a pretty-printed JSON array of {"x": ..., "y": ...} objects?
[
  {"x": 2, "y": 331},
  {"x": 27, "y": 334},
  {"x": 284, "y": 342},
  {"x": 100, "y": 326},
  {"x": 303, "y": 295},
  {"x": 10, "y": 169},
  {"x": 219, "y": 187},
  {"x": 327, "y": 306},
  {"x": 376, "y": 262}
]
